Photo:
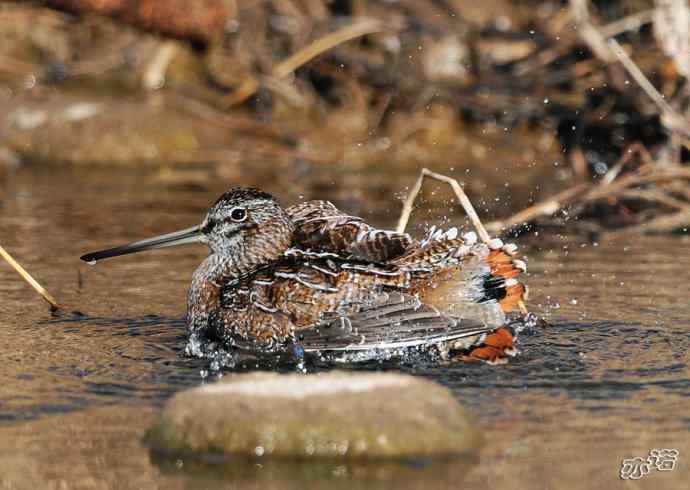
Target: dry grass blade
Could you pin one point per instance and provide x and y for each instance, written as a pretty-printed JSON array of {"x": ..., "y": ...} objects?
[
  {"x": 459, "y": 193},
  {"x": 304, "y": 55},
  {"x": 27, "y": 277}
]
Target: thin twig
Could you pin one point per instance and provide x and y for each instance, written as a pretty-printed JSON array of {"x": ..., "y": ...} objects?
[
  {"x": 590, "y": 34},
  {"x": 673, "y": 119},
  {"x": 619, "y": 187},
  {"x": 235, "y": 122},
  {"x": 607, "y": 49},
  {"x": 630, "y": 23},
  {"x": 655, "y": 196},
  {"x": 661, "y": 224},
  {"x": 304, "y": 55},
  {"x": 547, "y": 207},
  {"x": 612, "y": 184},
  {"x": 27, "y": 277},
  {"x": 644, "y": 175},
  {"x": 155, "y": 71},
  {"x": 459, "y": 193},
  {"x": 284, "y": 89},
  {"x": 630, "y": 152}
]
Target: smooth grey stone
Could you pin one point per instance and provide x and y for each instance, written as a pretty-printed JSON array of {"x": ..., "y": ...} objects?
[{"x": 333, "y": 415}]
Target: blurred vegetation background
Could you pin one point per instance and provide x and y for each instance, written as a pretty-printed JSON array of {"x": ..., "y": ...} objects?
[{"x": 546, "y": 106}]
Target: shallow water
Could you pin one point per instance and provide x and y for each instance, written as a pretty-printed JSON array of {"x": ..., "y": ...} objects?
[{"x": 608, "y": 379}]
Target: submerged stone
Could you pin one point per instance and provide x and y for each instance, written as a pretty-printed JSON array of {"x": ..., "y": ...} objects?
[{"x": 333, "y": 415}]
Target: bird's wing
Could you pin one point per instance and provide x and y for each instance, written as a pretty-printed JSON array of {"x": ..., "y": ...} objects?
[
  {"x": 319, "y": 225},
  {"x": 396, "y": 321}
]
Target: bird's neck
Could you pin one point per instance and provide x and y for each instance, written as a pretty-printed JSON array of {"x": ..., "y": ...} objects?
[{"x": 236, "y": 263}]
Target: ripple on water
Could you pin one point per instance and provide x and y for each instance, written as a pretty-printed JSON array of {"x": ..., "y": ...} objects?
[
  {"x": 609, "y": 378},
  {"x": 71, "y": 362}
]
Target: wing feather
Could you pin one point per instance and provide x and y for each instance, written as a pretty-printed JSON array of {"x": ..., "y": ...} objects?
[
  {"x": 396, "y": 321},
  {"x": 319, "y": 225}
]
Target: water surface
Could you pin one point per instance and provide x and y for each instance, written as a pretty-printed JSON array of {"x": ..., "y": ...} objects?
[{"x": 607, "y": 379}]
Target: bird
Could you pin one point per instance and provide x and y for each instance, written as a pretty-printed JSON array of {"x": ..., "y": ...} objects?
[{"x": 312, "y": 276}]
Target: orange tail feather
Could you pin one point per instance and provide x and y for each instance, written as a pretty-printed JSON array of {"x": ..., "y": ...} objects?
[{"x": 508, "y": 269}]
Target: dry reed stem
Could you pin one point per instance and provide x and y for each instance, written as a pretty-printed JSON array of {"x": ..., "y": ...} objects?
[
  {"x": 304, "y": 55},
  {"x": 27, "y": 277},
  {"x": 459, "y": 193}
]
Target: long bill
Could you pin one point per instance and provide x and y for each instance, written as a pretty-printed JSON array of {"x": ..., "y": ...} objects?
[{"x": 188, "y": 235}]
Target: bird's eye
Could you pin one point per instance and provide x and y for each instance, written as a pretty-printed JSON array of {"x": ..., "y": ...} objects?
[{"x": 238, "y": 214}]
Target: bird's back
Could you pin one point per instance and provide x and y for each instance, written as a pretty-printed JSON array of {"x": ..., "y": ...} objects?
[
  {"x": 480, "y": 273},
  {"x": 347, "y": 285}
]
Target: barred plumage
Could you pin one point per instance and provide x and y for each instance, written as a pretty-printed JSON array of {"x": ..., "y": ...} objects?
[{"x": 312, "y": 275}]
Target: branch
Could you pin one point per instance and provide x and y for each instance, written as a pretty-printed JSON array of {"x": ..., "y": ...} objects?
[
  {"x": 459, "y": 193},
  {"x": 609, "y": 50},
  {"x": 672, "y": 119},
  {"x": 27, "y": 277},
  {"x": 250, "y": 86}
]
